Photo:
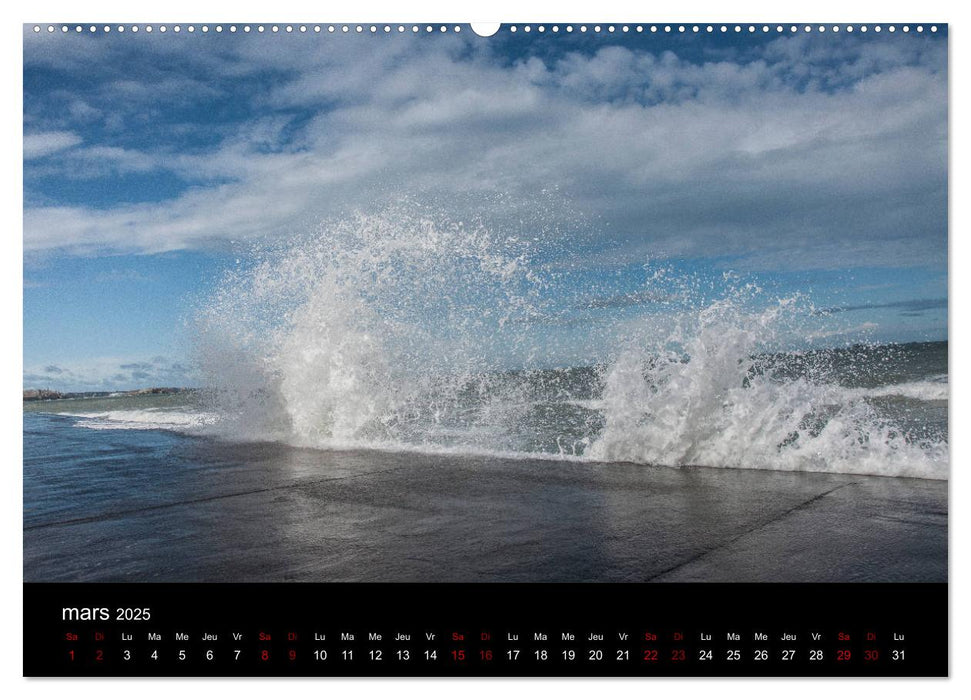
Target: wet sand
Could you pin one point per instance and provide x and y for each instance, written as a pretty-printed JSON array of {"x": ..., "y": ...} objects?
[{"x": 273, "y": 513}]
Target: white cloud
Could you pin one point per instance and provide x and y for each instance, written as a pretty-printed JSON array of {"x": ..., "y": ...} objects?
[{"x": 43, "y": 144}]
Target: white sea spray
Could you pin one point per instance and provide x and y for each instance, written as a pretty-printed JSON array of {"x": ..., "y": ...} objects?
[{"x": 396, "y": 332}]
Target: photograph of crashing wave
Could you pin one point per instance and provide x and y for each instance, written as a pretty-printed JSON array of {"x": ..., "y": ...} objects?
[{"x": 411, "y": 304}]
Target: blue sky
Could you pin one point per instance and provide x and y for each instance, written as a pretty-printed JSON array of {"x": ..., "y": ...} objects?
[{"x": 814, "y": 164}]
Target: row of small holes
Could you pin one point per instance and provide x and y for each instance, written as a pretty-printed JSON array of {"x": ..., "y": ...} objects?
[
  {"x": 723, "y": 28},
  {"x": 303, "y": 28},
  {"x": 541, "y": 28}
]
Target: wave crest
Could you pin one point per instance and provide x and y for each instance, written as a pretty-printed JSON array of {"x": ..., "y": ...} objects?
[{"x": 720, "y": 402}]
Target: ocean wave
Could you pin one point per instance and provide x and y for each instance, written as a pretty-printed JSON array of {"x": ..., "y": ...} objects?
[
  {"x": 391, "y": 332},
  {"x": 183, "y": 421},
  {"x": 830, "y": 429},
  {"x": 929, "y": 390}
]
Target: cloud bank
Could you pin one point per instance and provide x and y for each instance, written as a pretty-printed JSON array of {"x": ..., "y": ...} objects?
[{"x": 813, "y": 151}]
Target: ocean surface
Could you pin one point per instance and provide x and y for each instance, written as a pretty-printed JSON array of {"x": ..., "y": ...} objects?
[
  {"x": 360, "y": 421},
  {"x": 149, "y": 504},
  {"x": 878, "y": 410}
]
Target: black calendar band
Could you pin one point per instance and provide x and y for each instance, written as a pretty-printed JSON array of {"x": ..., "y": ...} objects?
[{"x": 336, "y": 629}]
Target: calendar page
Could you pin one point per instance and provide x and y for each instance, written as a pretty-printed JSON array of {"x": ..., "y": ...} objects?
[{"x": 613, "y": 349}]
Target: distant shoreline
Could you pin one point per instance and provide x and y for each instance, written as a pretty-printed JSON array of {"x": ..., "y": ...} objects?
[{"x": 48, "y": 395}]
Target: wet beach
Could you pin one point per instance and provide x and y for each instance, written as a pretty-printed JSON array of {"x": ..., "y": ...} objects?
[{"x": 144, "y": 505}]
